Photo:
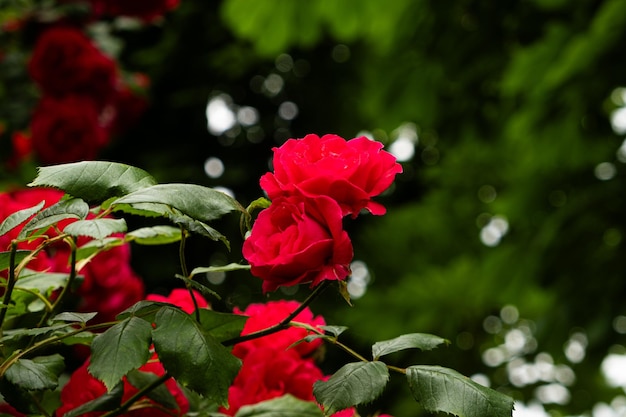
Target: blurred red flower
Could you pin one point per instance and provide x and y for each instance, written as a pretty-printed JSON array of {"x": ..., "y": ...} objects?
[
  {"x": 65, "y": 61},
  {"x": 67, "y": 129}
]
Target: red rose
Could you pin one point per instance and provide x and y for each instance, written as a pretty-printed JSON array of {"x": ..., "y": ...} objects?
[
  {"x": 66, "y": 130},
  {"x": 262, "y": 316},
  {"x": 83, "y": 387},
  {"x": 298, "y": 240},
  {"x": 269, "y": 373},
  {"x": 180, "y": 297},
  {"x": 351, "y": 172},
  {"x": 65, "y": 61},
  {"x": 143, "y": 9}
]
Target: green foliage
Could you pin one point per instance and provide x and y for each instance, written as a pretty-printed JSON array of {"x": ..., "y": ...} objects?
[
  {"x": 407, "y": 341},
  {"x": 431, "y": 386},
  {"x": 96, "y": 228},
  {"x": 93, "y": 180},
  {"x": 73, "y": 208},
  {"x": 122, "y": 348},
  {"x": 17, "y": 218},
  {"x": 285, "y": 406},
  {"x": 353, "y": 384},
  {"x": 37, "y": 374},
  {"x": 160, "y": 394},
  {"x": 193, "y": 356},
  {"x": 155, "y": 235}
]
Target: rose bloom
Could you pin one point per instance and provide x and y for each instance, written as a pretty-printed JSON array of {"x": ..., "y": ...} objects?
[
  {"x": 262, "y": 316},
  {"x": 83, "y": 387},
  {"x": 146, "y": 10},
  {"x": 298, "y": 240},
  {"x": 269, "y": 373},
  {"x": 66, "y": 130},
  {"x": 351, "y": 172},
  {"x": 65, "y": 61},
  {"x": 180, "y": 297}
]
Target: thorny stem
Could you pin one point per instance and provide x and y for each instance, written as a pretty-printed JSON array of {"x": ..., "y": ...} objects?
[
  {"x": 284, "y": 323},
  {"x": 126, "y": 404},
  {"x": 183, "y": 267}
]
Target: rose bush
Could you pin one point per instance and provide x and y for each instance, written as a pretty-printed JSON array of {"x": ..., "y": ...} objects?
[
  {"x": 351, "y": 172},
  {"x": 299, "y": 240},
  {"x": 83, "y": 387}
]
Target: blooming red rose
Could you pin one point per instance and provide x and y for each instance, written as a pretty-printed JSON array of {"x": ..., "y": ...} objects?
[
  {"x": 262, "y": 316},
  {"x": 269, "y": 373},
  {"x": 66, "y": 130},
  {"x": 83, "y": 387},
  {"x": 298, "y": 240},
  {"x": 143, "y": 9},
  {"x": 351, "y": 172},
  {"x": 180, "y": 297},
  {"x": 65, "y": 61}
]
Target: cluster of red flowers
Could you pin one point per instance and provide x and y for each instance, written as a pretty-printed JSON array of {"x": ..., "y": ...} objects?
[
  {"x": 272, "y": 366},
  {"x": 316, "y": 182},
  {"x": 110, "y": 285},
  {"x": 85, "y": 99}
]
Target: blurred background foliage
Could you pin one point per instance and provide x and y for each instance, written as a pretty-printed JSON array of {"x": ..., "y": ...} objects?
[{"x": 505, "y": 232}]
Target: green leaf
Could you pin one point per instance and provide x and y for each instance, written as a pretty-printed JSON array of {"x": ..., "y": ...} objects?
[
  {"x": 161, "y": 394},
  {"x": 443, "y": 389},
  {"x": 55, "y": 363},
  {"x": 420, "y": 341},
  {"x": 334, "y": 330},
  {"x": 285, "y": 406},
  {"x": 43, "y": 282},
  {"x": 30, "y": 375},
  {"x": 222, "y": 326},
  {"x": 5, "y": 258},
  {"x": 107, "y": 402},
  {"x": 143, "y": 309},
  {"x": 74, "y": 317},
  {"x": 96, "y": 228},
  {"x": 206, "y": 291},
  {"x": 198, "y": 202},
  {"x": 94, "y": 180},
  {"x": 120, "y": 349},
  {"x": 17, "y": 218},
  {"x": 73, "y": 208},
  {"x": 353, "y": 384},
  {"x": 192, "y": 356},
  {"x": 223, "y": 268},
  {"x": 82, "y": 338},
  {"x": 198, "y": 227},
  {"x": 93, "y": 246},
  {"x": 156, "y": 235},
  {"x": 16, "y": 334}
]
